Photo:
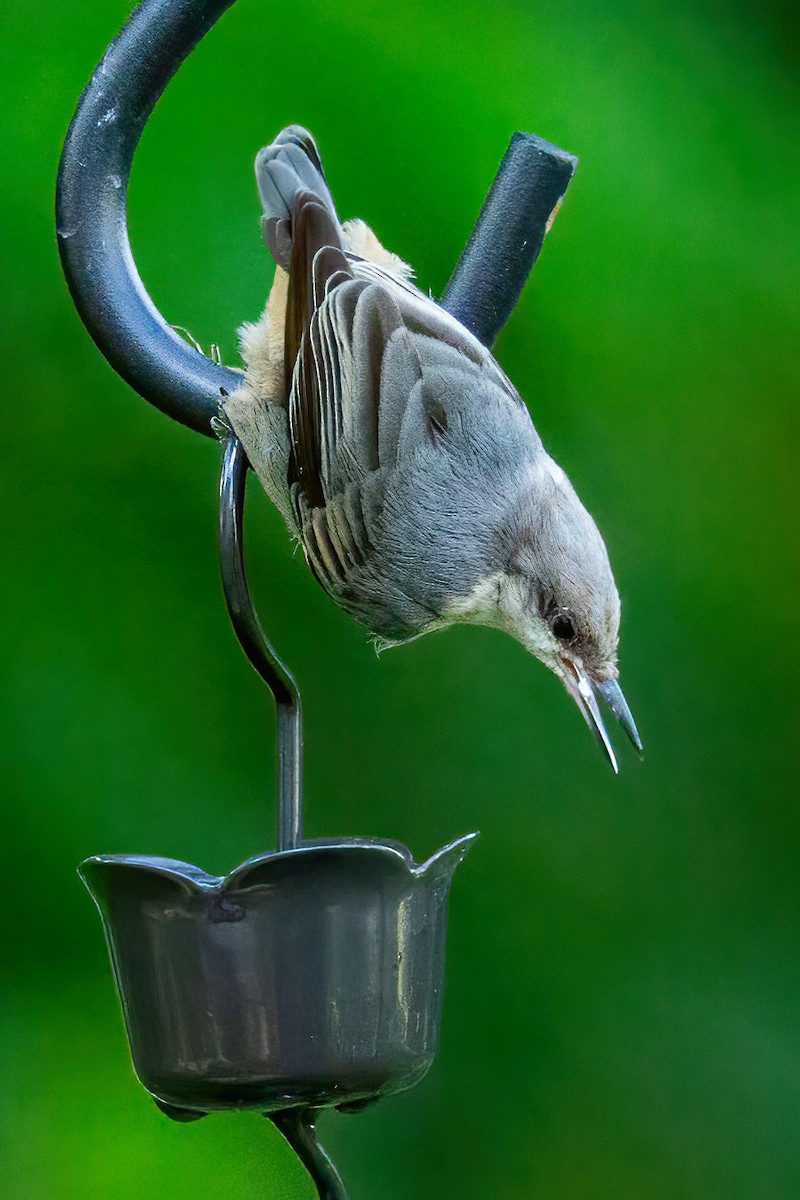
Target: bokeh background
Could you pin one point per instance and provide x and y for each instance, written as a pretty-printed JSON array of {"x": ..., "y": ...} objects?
[{"x": 621, "y": 1018}]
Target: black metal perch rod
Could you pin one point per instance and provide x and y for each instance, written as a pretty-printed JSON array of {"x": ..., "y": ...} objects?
[
  {"x": 508, "y": 235},
  {"x": 91, "y": 220}
]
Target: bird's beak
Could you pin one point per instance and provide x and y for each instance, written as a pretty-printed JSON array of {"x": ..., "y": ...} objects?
[
  {"x": 612, "y": 694},
  {"x": 583, "y": 689}
]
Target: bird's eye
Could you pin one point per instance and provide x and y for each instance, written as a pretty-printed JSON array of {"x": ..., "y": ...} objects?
[{"x": 563, "y": 626}]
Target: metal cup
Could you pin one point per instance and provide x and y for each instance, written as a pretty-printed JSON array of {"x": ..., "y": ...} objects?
[{"x": 307, "y": 977}]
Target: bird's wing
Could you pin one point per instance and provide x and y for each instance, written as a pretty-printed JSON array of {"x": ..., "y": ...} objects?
[
  {"x": 423, "y": 316},
  {"x": 375, "y": 368},
  {"x": 382, "y": 383},
  {"x": 391, "y": 401}
]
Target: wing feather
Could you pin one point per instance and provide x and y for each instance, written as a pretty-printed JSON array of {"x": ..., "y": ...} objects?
[
  {"x": 317, "y": 257},
  {"x": 378, "y": 374}
]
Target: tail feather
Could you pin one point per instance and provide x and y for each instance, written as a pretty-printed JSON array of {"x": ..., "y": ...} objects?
[{"x": 287, "y": 166}]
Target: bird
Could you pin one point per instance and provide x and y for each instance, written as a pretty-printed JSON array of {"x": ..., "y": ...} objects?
[{"x": 403, "y": 460}]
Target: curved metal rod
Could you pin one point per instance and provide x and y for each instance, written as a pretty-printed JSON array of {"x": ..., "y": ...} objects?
[
  {"x": 233, "y": 481},
  {"x": 91, "y": 213},
  {"x": 298, "y": 1126},
  {"x": 91, "y": 219}
]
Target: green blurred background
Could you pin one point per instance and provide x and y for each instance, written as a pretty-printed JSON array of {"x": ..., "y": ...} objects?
[{"x": 621, "y": 1012}]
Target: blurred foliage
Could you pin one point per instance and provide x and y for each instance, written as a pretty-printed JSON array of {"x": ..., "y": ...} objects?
[{"x": 621, "y": 1016}]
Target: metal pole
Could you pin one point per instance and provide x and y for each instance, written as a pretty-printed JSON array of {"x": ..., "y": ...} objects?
[
  {"x": 256, "y": 645},
  {"x": 298, "y": 1126}
]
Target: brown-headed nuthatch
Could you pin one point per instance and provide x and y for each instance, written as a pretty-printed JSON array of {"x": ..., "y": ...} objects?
[{"x": 403, "y": 459}]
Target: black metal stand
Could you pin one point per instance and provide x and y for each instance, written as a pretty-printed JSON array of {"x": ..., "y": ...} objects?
[{"x": 138, "y": 897}]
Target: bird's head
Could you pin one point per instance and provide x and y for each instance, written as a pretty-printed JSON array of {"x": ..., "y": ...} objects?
[{"x": 558, "y": 597}]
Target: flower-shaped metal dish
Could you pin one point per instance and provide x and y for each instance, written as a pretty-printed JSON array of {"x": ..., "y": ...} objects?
[{"x": 309, "y": 977}]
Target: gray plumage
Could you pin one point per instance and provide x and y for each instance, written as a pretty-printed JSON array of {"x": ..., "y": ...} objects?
[{"x": 402, "y": 458}]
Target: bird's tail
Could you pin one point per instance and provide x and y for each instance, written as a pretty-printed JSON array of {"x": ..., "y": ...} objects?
[{"x": 288, "y": 167}]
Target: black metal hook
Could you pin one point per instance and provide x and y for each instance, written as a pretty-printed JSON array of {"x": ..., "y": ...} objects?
[
  {"x": 91, "y": 219},
  {"x": 233, "y": 482}
]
